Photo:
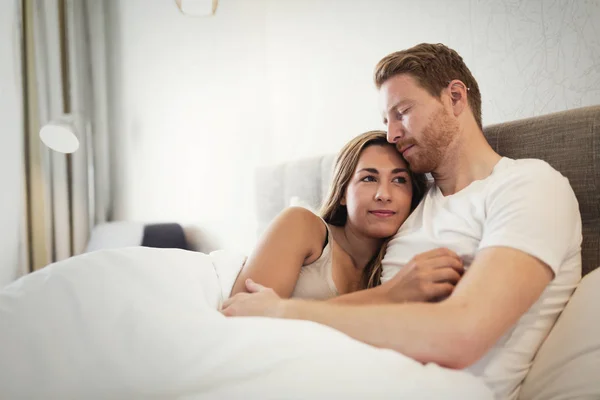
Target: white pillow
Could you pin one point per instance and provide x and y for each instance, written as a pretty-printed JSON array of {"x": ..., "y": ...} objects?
[{"x": 567, "y": 365}]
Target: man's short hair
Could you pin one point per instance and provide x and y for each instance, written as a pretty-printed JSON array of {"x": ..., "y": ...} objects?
[{"x": 434, "y": 66}]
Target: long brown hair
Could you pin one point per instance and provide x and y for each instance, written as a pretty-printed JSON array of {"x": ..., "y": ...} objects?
[{"x": 334, "y": 213}]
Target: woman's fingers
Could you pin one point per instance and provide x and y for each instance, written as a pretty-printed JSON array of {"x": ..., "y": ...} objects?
[
  {"x": 442, "y": 291},
  {"x": 446, "y": 261},
  {"x": 435, "y": 253},
  {"x": 431, "y": 264},
  {"x": 449, "y": 275}
]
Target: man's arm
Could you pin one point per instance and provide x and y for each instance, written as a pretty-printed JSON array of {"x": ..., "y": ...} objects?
[
  {"x": 454, "y": 333},
  {"x": 427, "y": 276},
  {"x": 532, "y": 223},
  {"x": 501, "y": 284},
  {"x": 375, "y": 295}
]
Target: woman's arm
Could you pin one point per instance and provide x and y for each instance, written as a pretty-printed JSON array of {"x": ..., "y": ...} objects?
[{"x": 295, "y": 237}]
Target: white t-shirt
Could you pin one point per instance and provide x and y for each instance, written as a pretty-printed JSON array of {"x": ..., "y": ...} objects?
[{"x": 526, "y": 205}]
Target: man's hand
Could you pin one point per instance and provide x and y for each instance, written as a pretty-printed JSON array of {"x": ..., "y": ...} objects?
[
  {"x": 428, "y": 276},
  {"x": 260, "y": 302}
]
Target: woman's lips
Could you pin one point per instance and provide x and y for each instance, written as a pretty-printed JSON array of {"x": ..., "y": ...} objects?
[{"x": 382, "y": 213}]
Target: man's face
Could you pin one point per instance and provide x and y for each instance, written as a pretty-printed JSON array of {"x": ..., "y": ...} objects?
[{"x": 420, "y": 125}]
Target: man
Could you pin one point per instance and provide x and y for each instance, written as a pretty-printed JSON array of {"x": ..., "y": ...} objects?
[{"x": 514, "y": 223}]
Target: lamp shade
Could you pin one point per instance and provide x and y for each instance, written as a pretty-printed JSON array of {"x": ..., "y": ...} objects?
[
  {"x": 59, "y": 135},
  {"x": 198, "y": 8}
]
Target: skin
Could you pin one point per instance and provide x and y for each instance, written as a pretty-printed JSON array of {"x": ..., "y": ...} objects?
[
  {"x": 378, "y": 201},
  {"x": 459, "y": 330}
]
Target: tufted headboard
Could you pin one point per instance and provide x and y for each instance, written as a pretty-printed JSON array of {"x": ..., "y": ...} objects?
[
  {"x": 568, "y": 140},
  {"x": 307, "y": 179}
]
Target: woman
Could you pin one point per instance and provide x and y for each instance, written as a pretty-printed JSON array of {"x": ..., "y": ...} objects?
[{"x": 306, "y": 256}]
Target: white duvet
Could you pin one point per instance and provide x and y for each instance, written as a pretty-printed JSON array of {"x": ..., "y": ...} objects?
[{"x": 143, "y": 323}]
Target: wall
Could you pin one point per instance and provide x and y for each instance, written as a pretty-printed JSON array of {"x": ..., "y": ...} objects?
[
  {"x": 11, "y": 147},
  {"x": 188, "y": 103},
  {"x": 198, "y": 103}
]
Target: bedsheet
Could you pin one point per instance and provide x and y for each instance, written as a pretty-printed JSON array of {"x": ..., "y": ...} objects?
[{"x": 144, "y": 323}]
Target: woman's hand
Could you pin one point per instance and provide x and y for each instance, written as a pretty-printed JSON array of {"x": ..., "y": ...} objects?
[
  {"x": 261, "y": 301},
  {"x": 429, "y": 276}
]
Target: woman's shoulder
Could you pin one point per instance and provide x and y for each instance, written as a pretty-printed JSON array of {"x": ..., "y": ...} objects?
[
  {"x": 302, "y": 221},
  {"x": 300, "y": 216},
  {"x": 313, "y": 229}
]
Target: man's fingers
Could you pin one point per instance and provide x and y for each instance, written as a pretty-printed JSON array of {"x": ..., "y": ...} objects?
[
  {"x": 254, "y": 287},
  {"x": 233, "y": 299},
  {"x": 226, "y": 311},
  {"x": 227, "y": 302}
]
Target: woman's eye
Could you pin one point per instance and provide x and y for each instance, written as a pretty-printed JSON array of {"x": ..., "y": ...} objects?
[
  {"x": 400, "y": 179},
  {"x": 368, "y": 178}
]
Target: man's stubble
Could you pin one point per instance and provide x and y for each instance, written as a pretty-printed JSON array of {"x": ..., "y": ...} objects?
[{"x": 432, "y": 147}]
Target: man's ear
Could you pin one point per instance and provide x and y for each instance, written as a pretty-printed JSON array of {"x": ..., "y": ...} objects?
[{"x": 458, "y": 95}]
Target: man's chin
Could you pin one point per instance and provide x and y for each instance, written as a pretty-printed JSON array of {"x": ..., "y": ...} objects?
[{"x": 420, "y": 168}]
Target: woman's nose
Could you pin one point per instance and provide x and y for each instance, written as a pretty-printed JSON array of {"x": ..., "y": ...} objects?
[{"x": 383, "y": 193}]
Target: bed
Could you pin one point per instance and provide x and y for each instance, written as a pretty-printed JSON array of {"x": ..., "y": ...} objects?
[{"x": 141, "y": 322}]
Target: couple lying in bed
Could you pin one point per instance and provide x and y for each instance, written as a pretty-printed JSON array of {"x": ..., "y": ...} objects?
[
  {"x": 304, "y": 255},
  {"x": 388, "y": 254}
]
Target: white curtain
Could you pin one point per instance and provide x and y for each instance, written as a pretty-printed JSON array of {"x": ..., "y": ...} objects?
[
  {"x": 67, "y": 194},
  {"x": 13, "y": 258}
]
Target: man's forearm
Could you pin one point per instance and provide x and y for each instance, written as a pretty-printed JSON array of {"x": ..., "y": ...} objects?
[
  {"x": 367, "y": 296},
  {"x": 423, "y": 331}
]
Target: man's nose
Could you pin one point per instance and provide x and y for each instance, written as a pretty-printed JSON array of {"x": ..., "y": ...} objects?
[{"x": 394, "y": 132}]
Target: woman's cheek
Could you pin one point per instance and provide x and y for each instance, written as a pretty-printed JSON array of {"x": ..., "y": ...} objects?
[{"x": 404, "y": 197}]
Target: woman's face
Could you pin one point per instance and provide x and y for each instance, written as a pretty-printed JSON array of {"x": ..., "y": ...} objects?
[{"x": 379, "y": 193}]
